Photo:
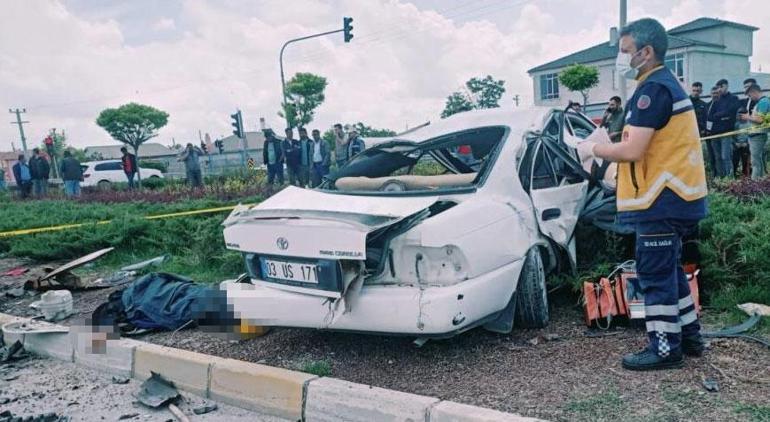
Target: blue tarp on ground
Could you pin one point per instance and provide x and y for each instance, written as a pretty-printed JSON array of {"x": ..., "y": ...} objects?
[{"x": 165, "y": 301}]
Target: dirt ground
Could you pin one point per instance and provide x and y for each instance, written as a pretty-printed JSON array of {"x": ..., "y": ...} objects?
[{"x": 557, "y": 373}]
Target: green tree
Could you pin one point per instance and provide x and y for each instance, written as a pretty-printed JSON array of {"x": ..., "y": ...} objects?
[
  {"x": 486, "y": 92},
  {"x": 580, "y": 78},
  {"x": 458, "y": 102},
  {"x": 132, "y": 124},
  {"x": 479, "y": 93},
  {"x": 364, "y": 130},
  {"x": 304, "y": 92}
]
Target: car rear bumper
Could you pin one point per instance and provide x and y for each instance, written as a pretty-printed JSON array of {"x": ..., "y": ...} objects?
[{"x": 392, "y": 309}]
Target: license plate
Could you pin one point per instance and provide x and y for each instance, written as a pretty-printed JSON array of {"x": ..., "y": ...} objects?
[{"x": 290, "y": 271}]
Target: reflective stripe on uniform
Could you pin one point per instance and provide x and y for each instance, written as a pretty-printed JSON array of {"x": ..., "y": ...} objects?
[
  {"x": 685, "y": 302},
  {"x": 663, "y": 327},
  {"x": 688, "y": 318},
  {"x": 681, "y": 104},
  {"x": 656, "y": 187},
  {"x": 661, "y": 310}
]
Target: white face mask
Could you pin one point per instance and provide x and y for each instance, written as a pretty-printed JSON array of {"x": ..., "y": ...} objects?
[{"x": 623, "y": 65}]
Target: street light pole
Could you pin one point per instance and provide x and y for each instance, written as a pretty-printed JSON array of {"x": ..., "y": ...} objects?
[
  {"x": 280, "y": 61},
  {"x": 621, "y": 79}
]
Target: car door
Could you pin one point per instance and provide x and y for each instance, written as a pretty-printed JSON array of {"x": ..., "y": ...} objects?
[{"x": 556, "y": 183}]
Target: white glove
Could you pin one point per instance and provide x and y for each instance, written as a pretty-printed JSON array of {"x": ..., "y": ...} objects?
[
  {"x": 586, "y": 147},
  {"x": 585, "y": 150}
]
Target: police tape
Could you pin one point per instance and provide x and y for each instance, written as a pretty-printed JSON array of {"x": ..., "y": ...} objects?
[
  {"x": 754, "y": 130},
  {"x": 12, "y": 233}
]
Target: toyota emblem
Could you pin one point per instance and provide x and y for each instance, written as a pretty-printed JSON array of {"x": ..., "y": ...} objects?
[{"x": 282, "y": 243}]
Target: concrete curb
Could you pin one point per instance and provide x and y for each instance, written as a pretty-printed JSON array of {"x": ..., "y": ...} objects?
[{"x": 274, "y": 391}]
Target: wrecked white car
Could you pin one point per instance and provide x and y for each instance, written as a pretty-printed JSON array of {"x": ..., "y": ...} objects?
[{"x": 429, "y": 234}]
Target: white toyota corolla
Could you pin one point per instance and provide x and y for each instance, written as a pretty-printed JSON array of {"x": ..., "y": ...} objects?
[{"x": 429, "y": 234}]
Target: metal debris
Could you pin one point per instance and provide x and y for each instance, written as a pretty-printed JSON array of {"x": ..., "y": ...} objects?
[
  {"x": 117, "y": 379},
  {"x": 206, "y": 408},
  {"x": 711, "y": 385},
  {"x": 156, "y": 391}
]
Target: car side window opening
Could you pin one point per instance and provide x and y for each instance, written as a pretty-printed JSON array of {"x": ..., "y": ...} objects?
[{"x": 112, "y": 165}]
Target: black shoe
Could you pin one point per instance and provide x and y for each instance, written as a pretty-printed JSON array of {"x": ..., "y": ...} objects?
[
  {"x": 693, "y": 345},
  {"x": 647, "y": 360}
]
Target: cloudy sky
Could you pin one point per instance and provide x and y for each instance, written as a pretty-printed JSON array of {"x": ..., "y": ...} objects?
[{"x": 199, "y": 60}]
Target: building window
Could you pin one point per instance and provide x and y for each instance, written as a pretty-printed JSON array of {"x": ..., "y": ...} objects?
[
  {"x": 675, "y": 63},
  {"x": 549, "y": 86}
]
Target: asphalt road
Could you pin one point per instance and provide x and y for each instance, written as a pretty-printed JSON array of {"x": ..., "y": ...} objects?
[{"x": 45, "y": 385}]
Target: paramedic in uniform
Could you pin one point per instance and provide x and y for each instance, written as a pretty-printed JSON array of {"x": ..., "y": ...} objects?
[{"x": 661, "y": 192}]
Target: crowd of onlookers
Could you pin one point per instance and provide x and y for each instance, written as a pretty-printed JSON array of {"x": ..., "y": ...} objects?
[
  {"x": 32, "y": 176},
  {"x": 725, "y": 123},
  {"x": 307, "y": 160}
]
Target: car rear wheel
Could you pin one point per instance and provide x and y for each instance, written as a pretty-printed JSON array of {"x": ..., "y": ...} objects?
[
  {"x": 528, "y": 306},
  {"x": 104, "y": 184},
  {"x": 531, "y": 310}
]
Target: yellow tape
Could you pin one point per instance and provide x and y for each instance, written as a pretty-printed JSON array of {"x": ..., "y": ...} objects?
[
  {"x": 737, "y": 132},
  {"x": 12, "y": 233}
]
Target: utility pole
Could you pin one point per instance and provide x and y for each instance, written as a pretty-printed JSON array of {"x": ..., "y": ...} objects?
[
  {"x": 621, "y": 79},
  {"x": 346, "y": 28},
  {"x": 20, "y": 123},
  {"x": 516, "y": 100}
]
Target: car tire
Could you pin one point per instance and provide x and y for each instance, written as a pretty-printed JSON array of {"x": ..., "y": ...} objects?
[
  {"x": 531, "y": 310},
  {"x": 104, "y": 184}
]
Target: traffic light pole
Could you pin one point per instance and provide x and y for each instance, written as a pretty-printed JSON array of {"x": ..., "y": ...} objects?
[{"x": 280, "y": 61}]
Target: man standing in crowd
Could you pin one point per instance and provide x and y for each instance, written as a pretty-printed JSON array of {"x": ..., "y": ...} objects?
[
  {"x": 575, "y": 106},
  {"x": 128, "y": 161},
  {"x": 292, "y": 154},
  {"x": 355, "y": 143},
  {"x": 41, "y": 171},
  {"x": 192, "y": 165},
  {"x": 712, "y": 146},
  {"x": 272, "y": 157},
  {"x": 340, "y": 146},
  {"x": 23, "y": 176},
  {"x": 757, "y": 140},
  {"x": 721, "y": 119},
  {"x": 613, "y": 119},
  {"x": 305, "y": 157},
  {"x": 321, "y": 161},
  {"x": 71, "y": 173},
  {"x": 696, "y": 90},
  {"x": 746, "y": 84},
  {"x": 661, "y": 191}
]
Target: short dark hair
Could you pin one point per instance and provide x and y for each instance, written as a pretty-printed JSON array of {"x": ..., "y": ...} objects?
[
  {"x": 288, "y": 129},
  {"x": 650, "y": 32},
  {"x": 338, "y": 125},
  {"x": 316, "y": 131},
  {"x": 36, "y": 150},
  {"x": 21, "y": 157},
  {"x": 750, "y": 81},
  {"x": 67, "y": 153},
  {"x": 616, "y": 99},
  {"x": 123, "y": 149},
  {"x": 753, "y": 88},
  {"x": 302, "y": 129},
  {"x": 697, "y": 84},
  {"x": 723, "y": 82}
]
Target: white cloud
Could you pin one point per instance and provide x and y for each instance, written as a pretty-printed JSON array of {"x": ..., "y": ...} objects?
[
  {"x": 164, "y": 24},
  {"x": 398, "y": 69}
]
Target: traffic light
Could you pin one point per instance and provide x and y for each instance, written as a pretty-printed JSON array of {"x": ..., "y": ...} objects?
[
  {"x": 220, "y": 146},
  {"x": 348, "y": 28},
  {"x": 237, "y": 124},
  {"x": 204, "y": 148}
]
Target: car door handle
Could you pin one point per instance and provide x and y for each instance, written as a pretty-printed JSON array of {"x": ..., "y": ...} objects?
[{"x": 551, "y": 213}]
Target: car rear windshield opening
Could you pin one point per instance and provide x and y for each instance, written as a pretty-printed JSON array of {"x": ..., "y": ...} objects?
[{"x": 457, "y": 160}]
